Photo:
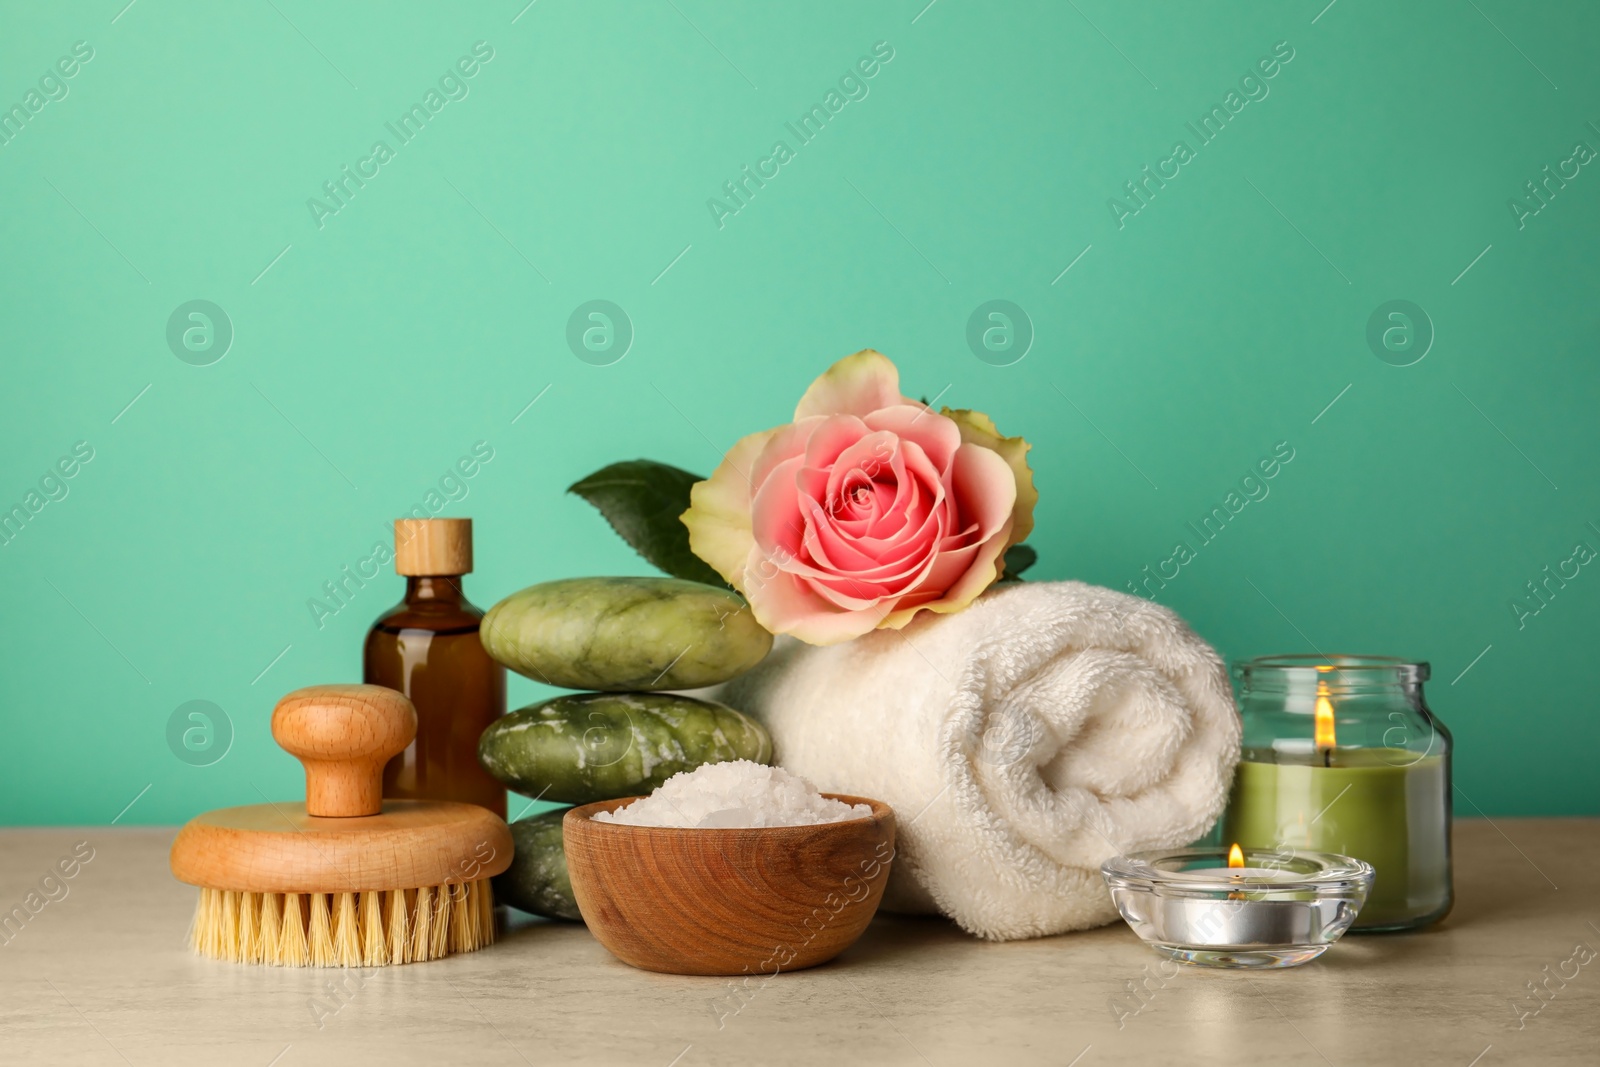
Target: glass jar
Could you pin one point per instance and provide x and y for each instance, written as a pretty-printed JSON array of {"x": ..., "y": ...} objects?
[{"x": 1342, "y": 755}]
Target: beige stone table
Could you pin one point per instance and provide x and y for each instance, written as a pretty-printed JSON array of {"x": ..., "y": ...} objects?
[{"x": 102, "y": 976}]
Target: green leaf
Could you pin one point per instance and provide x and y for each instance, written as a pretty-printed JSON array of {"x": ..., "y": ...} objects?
[
  {"x": 642, "y": 500},
  {"x": 1018, "y": 559}
]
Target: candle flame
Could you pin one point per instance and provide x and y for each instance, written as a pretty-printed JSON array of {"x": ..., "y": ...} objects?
[
  {"x": 1235, "y": 856},
  {"x": 1324, "y": 719}
]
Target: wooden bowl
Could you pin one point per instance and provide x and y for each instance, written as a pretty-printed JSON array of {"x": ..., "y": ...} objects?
[{"x": 728, "y": 901}]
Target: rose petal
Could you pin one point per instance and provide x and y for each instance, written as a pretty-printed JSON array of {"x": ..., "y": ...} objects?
[
  {"x": 852, "y": 590},
  {"x": 908, "y": 504},
  {"x": 719, "y": 518},
  {"x": 783, "y": 443},
  {"x": 937, "y": 435},
  {"x": 777, "y": 519},
  {"x": 923, "y": 488},
  {"x": 831, "y": 550},
  {"x": 856, "y": 385},
  {"x": 977, "y": 428},
  {"x": 829, "y": 554},
  {"x": 979, "y": 484},
  {"x": 867, "y": 454},
  {"x": 832, "y": 436},
  {"x": 980, "y": 575},
  {"x": 893, "y": 573},
  {"x": 855, "y": 503},
  {"x": 787, "y": 604},
  {"x": 982, "y": 487}
]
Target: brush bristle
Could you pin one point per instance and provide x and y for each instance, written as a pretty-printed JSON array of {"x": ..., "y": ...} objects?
[
  {"x": 228, "y": 934},
  {"x": 346, "y": 931},
  {"x": 292, "y": 948},
  {"x": 373, "y": 929},
  {"x": 421, "y": 947},
  {"x": 249, "y": 928},
  {"x": 442, "y": 898},
  {"x": 267, "y": 945},
  {"x": 319, "y": 932},
  {"x": 399, "y": 912},
  {"x": 374, "y": 934}
]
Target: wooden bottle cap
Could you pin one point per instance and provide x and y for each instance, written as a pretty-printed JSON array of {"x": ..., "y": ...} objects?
[
  {"x": 431, "y": 547},
  {"x": 345, "y": 837}
]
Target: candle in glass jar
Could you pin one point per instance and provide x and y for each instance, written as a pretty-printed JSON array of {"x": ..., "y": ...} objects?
[
  {"x": 1386, "y": 805},
  {"x": 1382, "y": 805}
]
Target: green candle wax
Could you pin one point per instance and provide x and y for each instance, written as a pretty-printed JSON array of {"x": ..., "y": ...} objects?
[{"x": 1383, "y": 805}]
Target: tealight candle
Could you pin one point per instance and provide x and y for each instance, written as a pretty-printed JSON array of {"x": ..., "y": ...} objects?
[
  {"x": 1368, "y": 776},
  {"x": 1234, "y": 869},
  {"x": 1192, "y": 909}
]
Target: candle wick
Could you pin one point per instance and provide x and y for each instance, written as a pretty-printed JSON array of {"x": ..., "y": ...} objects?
[{"x": 1327, "y": 757}]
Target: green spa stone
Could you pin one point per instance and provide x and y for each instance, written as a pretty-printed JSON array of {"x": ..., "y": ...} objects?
[
  {"x": 537, "y": 879},
  {"x": 583, "y": 747},
  {"x": 625, "y": 634}
]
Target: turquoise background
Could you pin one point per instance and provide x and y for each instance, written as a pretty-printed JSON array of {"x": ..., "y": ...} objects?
[{"x": 1177, "y": 351}]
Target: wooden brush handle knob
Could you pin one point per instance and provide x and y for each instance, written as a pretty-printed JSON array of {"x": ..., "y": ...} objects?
[{"x": 343, "y": 735}]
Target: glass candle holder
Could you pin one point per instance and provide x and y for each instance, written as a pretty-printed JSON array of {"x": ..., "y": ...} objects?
[
  {"x": 1238, "y": 908},
  {"x": 1342, "y": 755}
]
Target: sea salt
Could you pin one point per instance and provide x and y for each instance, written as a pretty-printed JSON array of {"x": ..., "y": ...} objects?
[{"x": 738, "y": 793}]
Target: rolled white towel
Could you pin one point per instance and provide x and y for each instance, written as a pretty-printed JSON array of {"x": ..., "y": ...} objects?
[{"x": 1020, "y": 742}]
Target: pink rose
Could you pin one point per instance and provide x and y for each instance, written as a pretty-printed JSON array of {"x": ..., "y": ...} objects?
[{"x": 867, "y": 509}]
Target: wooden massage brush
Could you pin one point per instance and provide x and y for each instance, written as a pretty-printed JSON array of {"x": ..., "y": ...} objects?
[{"x": 346, "y": 879}]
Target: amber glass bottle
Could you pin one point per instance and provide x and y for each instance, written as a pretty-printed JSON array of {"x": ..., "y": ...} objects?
[{"x": 427, "y": 647}]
